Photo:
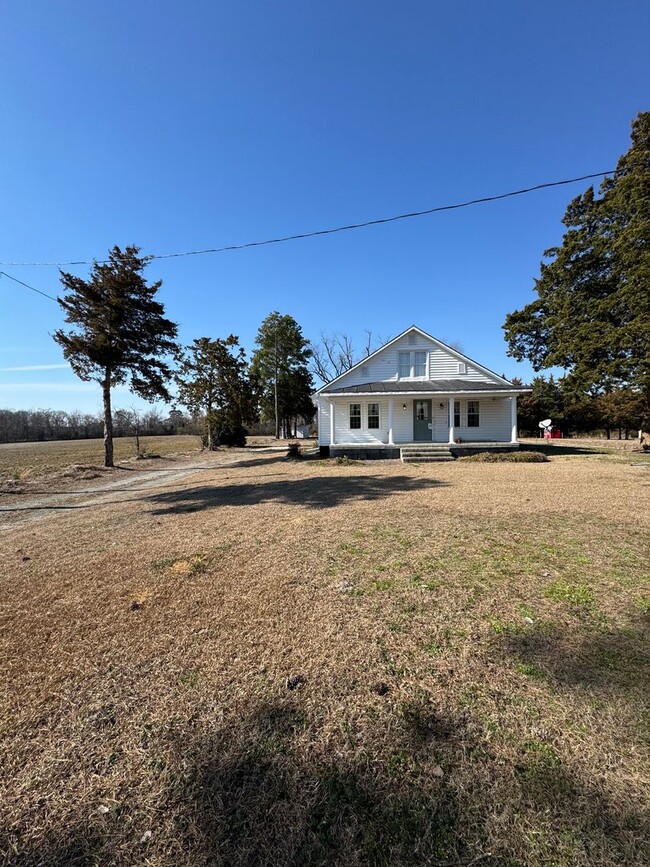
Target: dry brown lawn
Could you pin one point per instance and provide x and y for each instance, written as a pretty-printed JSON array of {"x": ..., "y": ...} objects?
[
  {"x": 309, "y": 663},
  {"x": 21, "y": 461}
]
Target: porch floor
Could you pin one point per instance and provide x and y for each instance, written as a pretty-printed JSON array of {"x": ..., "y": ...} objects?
[{"x": 479, "y": 444}]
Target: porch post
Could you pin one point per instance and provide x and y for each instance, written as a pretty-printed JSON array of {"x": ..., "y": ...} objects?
[
  {"x": 391, "y": 413},
  {"x": 513, "y": 419},
  {"x": 332, "y": 422},
  {"x": 451, "y": 420}
]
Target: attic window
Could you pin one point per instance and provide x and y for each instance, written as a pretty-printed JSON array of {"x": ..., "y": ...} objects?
[
  {"x": 412, "y": 339},
  {"x": 462, "y": 368}
]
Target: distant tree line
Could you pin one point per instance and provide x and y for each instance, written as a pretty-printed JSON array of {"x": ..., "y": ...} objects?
[
  {"x": 42, "y": 425},
  {"x": 619, "y": 411}
]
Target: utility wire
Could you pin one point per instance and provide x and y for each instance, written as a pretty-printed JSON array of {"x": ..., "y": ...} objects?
[
  {"x": 27, "y": 286},
  {"x": 333, "y": 231}
]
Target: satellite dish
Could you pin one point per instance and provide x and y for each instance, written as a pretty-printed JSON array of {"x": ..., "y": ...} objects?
[{"x": 546, "y": 423}]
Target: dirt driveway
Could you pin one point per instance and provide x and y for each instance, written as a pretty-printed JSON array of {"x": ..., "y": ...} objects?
[{"x": 61, "y": 493}]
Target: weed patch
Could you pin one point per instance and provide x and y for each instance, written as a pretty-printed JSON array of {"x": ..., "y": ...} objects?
[
  {"x": 514, "y": 457},
  {"x": 574, "y": 594}
]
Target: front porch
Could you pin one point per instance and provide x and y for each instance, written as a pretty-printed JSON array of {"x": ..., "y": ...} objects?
[{"x": 380, "y": 425}]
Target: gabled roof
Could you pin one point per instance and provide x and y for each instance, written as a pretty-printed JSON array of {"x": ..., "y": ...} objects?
[{"x": 438, "y": 343}]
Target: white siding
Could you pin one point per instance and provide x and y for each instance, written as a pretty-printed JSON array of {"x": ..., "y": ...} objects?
[
  {"x": 383, "y": 367},
  {"x": 344, "y": 434},
  {"x": 323, "y": 422},
  {"x": 442, "y": 365},
  {"x": 441, "y": 420},
  {"x": 403, "y": 420},
  {"x": 494, "y": 421}
]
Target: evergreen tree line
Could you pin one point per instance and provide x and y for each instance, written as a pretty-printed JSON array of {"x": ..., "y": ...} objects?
[
  {"x": 619, "y": 412},
  {"x": 591, "y": 315},
  {"x": 217, "y": 383}
]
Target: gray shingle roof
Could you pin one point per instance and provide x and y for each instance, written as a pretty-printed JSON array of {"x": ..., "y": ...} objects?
[{"x": 422, "y": 386}]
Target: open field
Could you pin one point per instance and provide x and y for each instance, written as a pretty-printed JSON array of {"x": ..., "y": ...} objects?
[
  {"x": 27, "y": 460},
  {"x": 316, "y": 663},
  {"x": 585, "y": 443}
]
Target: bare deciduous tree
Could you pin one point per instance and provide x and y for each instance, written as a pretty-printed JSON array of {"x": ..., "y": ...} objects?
[{"x": 335, "y": 353}]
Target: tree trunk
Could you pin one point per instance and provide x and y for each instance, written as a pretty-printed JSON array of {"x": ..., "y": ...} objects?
[
  {"x": 209, "y": 439},
  {"x": 108, "y": 421},
  {"x": 275, "y": 387},
  {"x": 608, "y": 432}
]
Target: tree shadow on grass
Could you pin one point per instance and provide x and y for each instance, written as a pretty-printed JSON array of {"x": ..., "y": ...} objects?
[
  {"x": 316, "y": 492},
  {"x": 552, "y": 450},
  {"x": 261, "y": 802},
  {"x": 250, "y": 794},
  {"x": 259, "y": 798},
  {"x": 251, "y": 791},
  {"x": 615, "y": 659}
]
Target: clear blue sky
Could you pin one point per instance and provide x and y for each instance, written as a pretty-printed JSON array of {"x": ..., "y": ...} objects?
[{"x": 178, "y": 126}]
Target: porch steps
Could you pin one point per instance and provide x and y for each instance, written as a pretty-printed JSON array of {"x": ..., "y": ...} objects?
[{"x": 425, "y": 453}]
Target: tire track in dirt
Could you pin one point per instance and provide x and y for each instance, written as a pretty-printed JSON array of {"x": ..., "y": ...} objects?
[{"x": 118, "y": 490}]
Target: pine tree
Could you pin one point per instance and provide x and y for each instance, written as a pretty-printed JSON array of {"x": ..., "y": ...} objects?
[
  {"x": 280, "y": 370},
  {"x": 119, "y": 333},
  {"x": 213, "y": 380},
  {"x": 592, "y": 313}
]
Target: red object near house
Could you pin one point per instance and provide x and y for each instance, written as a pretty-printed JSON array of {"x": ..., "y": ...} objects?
[{"x": 553, "y": 434}]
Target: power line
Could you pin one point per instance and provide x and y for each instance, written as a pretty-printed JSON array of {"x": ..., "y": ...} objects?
[
  {"x": 332, "y": 231},
  {"x": 27, "y": 286}
]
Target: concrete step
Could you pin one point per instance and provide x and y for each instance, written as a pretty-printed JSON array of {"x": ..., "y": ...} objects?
[
  {"x": 424, "y": 450},
  {"x": 426, "y": 453},
  {"x": 427, "y": 446},
  {"x": 426, "y": 459}
]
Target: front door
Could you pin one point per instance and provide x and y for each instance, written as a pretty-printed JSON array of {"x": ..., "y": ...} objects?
[{"x": 422, "y": 421}]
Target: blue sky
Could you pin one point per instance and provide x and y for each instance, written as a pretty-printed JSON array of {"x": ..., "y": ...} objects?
[{"x": 179, "y": 126}]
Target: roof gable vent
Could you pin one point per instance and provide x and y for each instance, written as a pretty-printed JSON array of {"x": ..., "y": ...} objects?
[
  {"x": 462, "y": 367},
  {"x": 412, "y": 339},
  {"x": 365, "y": 370}
]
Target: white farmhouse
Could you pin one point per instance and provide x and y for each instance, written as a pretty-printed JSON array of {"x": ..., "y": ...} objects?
[{"x": 417, "y": 398}]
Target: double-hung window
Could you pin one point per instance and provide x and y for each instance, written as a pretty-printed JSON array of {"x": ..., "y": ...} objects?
[
  {"x": 473, "y": 413},
  {"x": 412, "y": 364},
  {"x": 355, "y": 416},
  {"x": 373, "y": 416},
  {"x": 456, "y": 413},
  {"x": 420, "y": 364}
]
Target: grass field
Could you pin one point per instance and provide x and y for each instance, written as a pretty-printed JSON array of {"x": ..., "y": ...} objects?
[
  {"x": 310, "y": 663},
  {"x": 27, "y": 460}
]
